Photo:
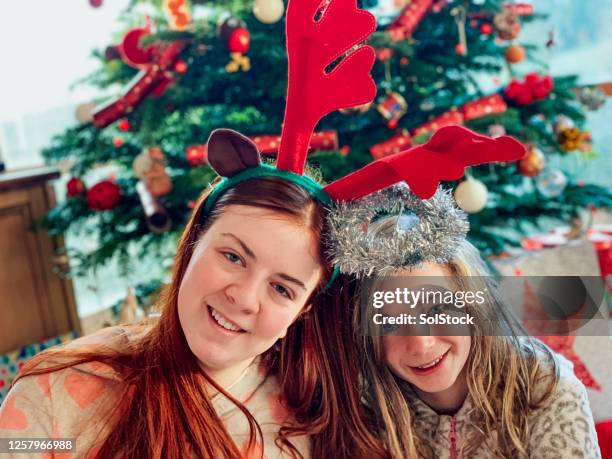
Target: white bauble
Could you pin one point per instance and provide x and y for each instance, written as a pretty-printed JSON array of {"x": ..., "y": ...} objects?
[
  {"x": 471, "y": 195},
  {"x": 268, "y": 11}
]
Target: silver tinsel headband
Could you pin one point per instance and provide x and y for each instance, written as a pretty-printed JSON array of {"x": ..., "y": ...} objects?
[{"x": 364, "y": 242}]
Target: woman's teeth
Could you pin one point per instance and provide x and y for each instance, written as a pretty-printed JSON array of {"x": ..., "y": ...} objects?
[
  {"x": 223, "y": 321},
  {"x": 428, "y": 365}
]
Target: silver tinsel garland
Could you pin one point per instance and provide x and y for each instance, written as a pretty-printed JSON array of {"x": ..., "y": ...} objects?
[{"x": 369, "y": 236}]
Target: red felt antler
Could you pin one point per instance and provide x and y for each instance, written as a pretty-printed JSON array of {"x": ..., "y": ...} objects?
[
  {"x": 318, "y": 32},
  {"x": 444, "y": 157}
]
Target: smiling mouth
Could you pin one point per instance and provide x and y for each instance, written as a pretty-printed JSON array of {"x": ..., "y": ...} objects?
[
  {"x": 431, "y": 365},
  {"x": 223, "y": 321}
]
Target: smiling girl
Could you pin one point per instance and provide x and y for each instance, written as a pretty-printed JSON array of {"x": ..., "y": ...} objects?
[
  {"x": 206, "y": 379},
  {"x": 453, "y": 392}
]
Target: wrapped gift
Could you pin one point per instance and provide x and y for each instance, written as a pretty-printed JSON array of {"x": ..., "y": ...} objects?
[
  {"x": 450, "y": 117},
  {"x": 484, "y": 106},
  {"x": 408, "y": 20},
  {"x": 322, "y": 140},
  {"x": 395, "y": 144},
  {"x": 520, "y": 9}
]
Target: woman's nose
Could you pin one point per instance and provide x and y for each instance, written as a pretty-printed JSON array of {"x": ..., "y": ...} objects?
[{"x": 243, "y": 295}]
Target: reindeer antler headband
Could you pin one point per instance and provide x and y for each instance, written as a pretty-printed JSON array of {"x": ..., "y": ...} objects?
[{"x": 318, "y": 33}]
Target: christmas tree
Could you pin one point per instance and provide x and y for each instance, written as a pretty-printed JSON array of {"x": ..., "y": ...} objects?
[{"x": 187, "y": 68}]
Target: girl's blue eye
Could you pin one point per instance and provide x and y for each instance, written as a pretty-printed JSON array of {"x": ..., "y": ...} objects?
[
  {"x": 232, "y": 257},
  {"x": 389, "y": 328},
  {"x": 281, "y": 290},
  {"x": 437, "y": 309}
]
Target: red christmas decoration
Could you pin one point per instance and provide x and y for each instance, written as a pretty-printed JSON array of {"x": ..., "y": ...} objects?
[
  {"x": 384, "y": 54},
  {"x": 96, "y": 3},
  {"x": 323, "y": 140},
  {"x": 117, "y": 142},
  {"x": 270, "y": 144},
  {"x": 75, "y": 187},
  {"x": 132, "y": 52},
  {"x": 395, "y": 144},
  {"x": 540, "y": 86},
  {"x": 153, "y": 79},
  {"x": 104, "y": 196},
  {"x": 196, "y": 155},
  {"x": 408, "y": 20},
  {"x": 124, "y": 125},
  {"x": 486, "y": 29},
  {"x": 534, "y": 87},
  {"x": 520, "y": 9},
  {"x": 484, "y": 106},
  {"x": 239, "y": 40},
  {"x": 604, "y": 256},
  {"x": 180, "y": 66},
  {"x": 450, "y": 117}
]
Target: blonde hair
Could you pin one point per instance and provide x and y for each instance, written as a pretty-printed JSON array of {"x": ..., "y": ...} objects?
[{"x": 502, "y": 373}]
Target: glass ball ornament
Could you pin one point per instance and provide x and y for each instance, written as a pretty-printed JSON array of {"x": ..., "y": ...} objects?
[{"x": 551, "y": 183}]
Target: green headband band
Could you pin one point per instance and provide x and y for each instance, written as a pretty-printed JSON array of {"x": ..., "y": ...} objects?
[{"x": 263, "y": 170}]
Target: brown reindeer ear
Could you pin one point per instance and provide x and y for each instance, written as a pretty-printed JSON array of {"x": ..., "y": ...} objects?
[{"x": 229, "y": 152}]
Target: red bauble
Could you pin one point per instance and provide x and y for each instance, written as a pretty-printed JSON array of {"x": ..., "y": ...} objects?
[
  {"x": 196, "y": 155},
  {"x": 460, "y": 49},
  {"x": 117, "y": 142},
  {"x": 132, "y": 52},
  {"x": 519, "y": 93},
  {"x": 104, "y": 195},
  {"x": 180, "y": 66},
  {"x": 525, "y": 97},
  {"x": 124, "y": 125},
  {"x": 486, "y": 29},
  {"x": 239, "y": 40},
  {"x": 532, "y": 79},
  {"x": 95, "y": 3},
  {"x": 542, "y": 88},
  {"x": 384, "y": 54},
  {"x": 75, "y": 187}
]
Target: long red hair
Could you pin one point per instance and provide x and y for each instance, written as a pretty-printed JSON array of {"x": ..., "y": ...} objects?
[{"x": 166, "y": 409}]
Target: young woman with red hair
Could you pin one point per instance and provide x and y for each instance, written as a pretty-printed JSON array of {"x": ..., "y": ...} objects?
[{"x": 236, "y": 355}]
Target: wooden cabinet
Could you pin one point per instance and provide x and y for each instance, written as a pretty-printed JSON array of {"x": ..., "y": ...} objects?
[{"x": 35, "y": 302}]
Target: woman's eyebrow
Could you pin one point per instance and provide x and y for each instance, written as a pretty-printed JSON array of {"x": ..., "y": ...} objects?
[
  {"x": 250, "y": 253},
  {"x": 246, "y": 249},
  {"x": 289, "y": 278}
]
